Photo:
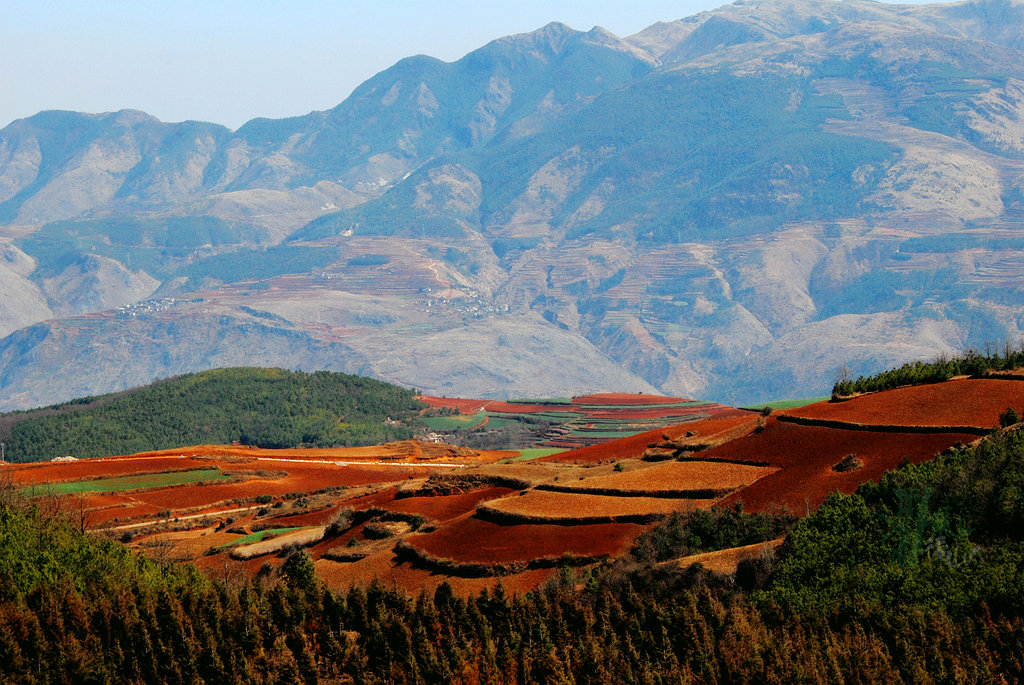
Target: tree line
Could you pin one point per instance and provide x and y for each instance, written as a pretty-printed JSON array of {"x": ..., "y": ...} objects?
[{"x": 971, "y": 363}]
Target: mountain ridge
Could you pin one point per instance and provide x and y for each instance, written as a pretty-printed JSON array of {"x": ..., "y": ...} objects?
[{"x": 801, "y": 184}]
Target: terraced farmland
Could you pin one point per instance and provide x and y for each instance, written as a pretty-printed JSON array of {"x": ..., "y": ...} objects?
[
  {"x": 415, "y": 514},
  {"x": 572, "y": 423},
  {"x": 124, "y": 483},
  {"x": 967, "y": 402}
]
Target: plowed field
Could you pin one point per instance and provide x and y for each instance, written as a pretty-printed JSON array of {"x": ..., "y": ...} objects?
[
  {"x": 562, "y": 507},
  {"x": 673, "y": 475},
  {"x": 806, "y": 455},
  {"x": 447, "y": 507},
  {"x": 471, "y": 539},
  {"x": 963, "y": 402},
  {"x": 82, "y": 469}
]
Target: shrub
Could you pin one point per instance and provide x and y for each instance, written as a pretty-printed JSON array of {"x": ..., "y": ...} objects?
[{"x": 1009, "y": 417}]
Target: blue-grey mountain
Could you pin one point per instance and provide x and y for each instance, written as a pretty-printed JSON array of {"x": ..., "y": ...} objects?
[{"x": 732, "y": 205}]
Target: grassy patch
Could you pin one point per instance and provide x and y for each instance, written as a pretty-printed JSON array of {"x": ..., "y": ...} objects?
[
  {"x": 453, "y": 423},
  {"x": 144, "y": 482},
  {"x": 260, "y": 535},
  {"x": 529, "y": 453},
  {"x": 788, "y": 404},
  {"x": 585, "y": 433},
  {"x": 503, "y": 421}
]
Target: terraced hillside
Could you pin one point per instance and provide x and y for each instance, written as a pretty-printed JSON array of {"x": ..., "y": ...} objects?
[
  {"x": 566, "y": 423},
  {"x": 416, "y": 514}
]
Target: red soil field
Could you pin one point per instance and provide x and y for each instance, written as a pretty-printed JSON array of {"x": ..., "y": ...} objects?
[
  {"x": 633, "y": 447},
  {"x": 473, "y": 406},
  {"x": 570, "y": 506},
  {"x": 104, "y": 500},
  {"x": 288, "y": 473},
  {"x": 963, "y": 402},
  {"x": 471, "y": 539},
  {"x": 806, "y": 455},
  {"x": 626, "y": 399},
  {"x": 373, "y": 499},
  {"x": 675, "y": 475},
  {"x": 309, "y": 478},
  {"x": 447, "y": 507},
  {"x": 513, "y": 408},
  {"x": 319, "y": 517},
  {"x": 411, "y": 451},
  {"x": 85, "y": 469},
  {"x": 100, "y": 517},
  {"x": 299, "y": 479}
]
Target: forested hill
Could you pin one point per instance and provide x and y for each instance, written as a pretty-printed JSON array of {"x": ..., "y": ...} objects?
[{"x": 262, "y": 407}]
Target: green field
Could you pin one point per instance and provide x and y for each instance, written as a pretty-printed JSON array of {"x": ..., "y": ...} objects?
[
  {"x": 143, "y": 482},
  {"x": 502, "y": 421},
  {"x": 529, "y": 453},
  {"x": 260, "y": 535},
  {"x": 584, "y": 433},
  {"x": 453, "y": 423},
  {"x": 789, "y": 404}
]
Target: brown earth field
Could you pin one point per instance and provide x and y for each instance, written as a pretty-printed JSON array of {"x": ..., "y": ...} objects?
[
  {"x": 482, "y": 521},
  {"x": 805, "y": 456},
  {"x": 445, "y": 508},
  {"x": 569, "y": 508},
  {"x": 671, "y": 476},
  {"x": 471, "y": 539},
  {"x": 976, "y": 402},
  {"x": 516, "y": 408},
  {"x": 85, "y": 469}
]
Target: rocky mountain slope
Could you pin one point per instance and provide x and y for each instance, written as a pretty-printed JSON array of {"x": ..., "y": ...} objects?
[{"x": 791, "y": 186}]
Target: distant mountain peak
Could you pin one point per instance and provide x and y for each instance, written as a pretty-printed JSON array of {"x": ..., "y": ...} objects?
[{"x": 548, "y": 40}]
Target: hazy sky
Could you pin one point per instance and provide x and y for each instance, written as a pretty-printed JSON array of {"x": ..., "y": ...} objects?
[{"x": 228, "y": 61}]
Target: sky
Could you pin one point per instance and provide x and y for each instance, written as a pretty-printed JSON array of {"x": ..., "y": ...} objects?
[{"x": 227, "y": 61}]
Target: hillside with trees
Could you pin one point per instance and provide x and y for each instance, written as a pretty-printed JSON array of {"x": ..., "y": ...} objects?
[
  {"x": 916, "y": 578},
  {"x": 970, "y": 363},
  {"x": 262, "y": 407}
]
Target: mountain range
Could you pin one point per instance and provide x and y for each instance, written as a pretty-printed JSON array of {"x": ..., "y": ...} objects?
[{"x": 737, "y": 205}]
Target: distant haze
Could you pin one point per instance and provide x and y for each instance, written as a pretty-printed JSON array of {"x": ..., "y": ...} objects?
[{"x": 229, "y": 61}]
